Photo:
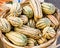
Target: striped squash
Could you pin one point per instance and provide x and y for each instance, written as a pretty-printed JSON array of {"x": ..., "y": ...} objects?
[
  {"x": 48, "y": 32},
  {"x": 48, "y": 8},
  {"x": 15, "y": 21},
  {"x": 4, "y": 25},
  {"x": 42, "y": 23},
  {"x": 17, "y": 39}
]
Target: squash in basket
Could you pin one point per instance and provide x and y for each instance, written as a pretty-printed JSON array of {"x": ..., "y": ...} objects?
[
  {"x": 48, "y": 32},
  {"x": 4, "y": 25},
  {"x": 16, "y": 9},
  {"x": 30, "y": 32},
  {"x": 48, "y": 8},
  {"x": 31, "y": 23},
  {"x": 42, "y": 23},
  {"x": 15, "y": 21},
  {"x": 27, "y": 10},
  {"x": 17, "y": 39},
  {"x": 36, "y": 6},
  {"x": 42, "y": 40},
  {"x": 31, "y": 42},
  {"x": 24, "y": 18}
]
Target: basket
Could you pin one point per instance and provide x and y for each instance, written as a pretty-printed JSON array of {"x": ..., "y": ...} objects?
[{"x": 50, "y": 44}]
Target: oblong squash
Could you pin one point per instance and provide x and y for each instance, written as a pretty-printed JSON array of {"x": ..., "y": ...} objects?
[
  {"x": 24, "y": 18},
  {"x": 16, "y": 9},
  {"x": 27, "y": 10},
  {"x": 42, "y": 23},
  {"x": 53, "y": 19},
  {"x": 17, "y": 39},
  {"x": 30, "y": 32},
  {"x": 31, "y": 42},
  {"x": 31, "y": 23},
  {"x": 36, "y": 6},
  {"x": 48, "y": 8},
  {"x": 48, "y": 32},
  {"x": 15, "y": 21},
  {"x": 4, "y": 25}
]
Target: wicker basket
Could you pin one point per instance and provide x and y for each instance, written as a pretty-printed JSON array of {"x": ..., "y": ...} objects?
[{"x": 49, "y": 44}]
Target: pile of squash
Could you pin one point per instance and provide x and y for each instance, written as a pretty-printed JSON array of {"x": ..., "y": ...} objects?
[{"x": 30, "y": 25}]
